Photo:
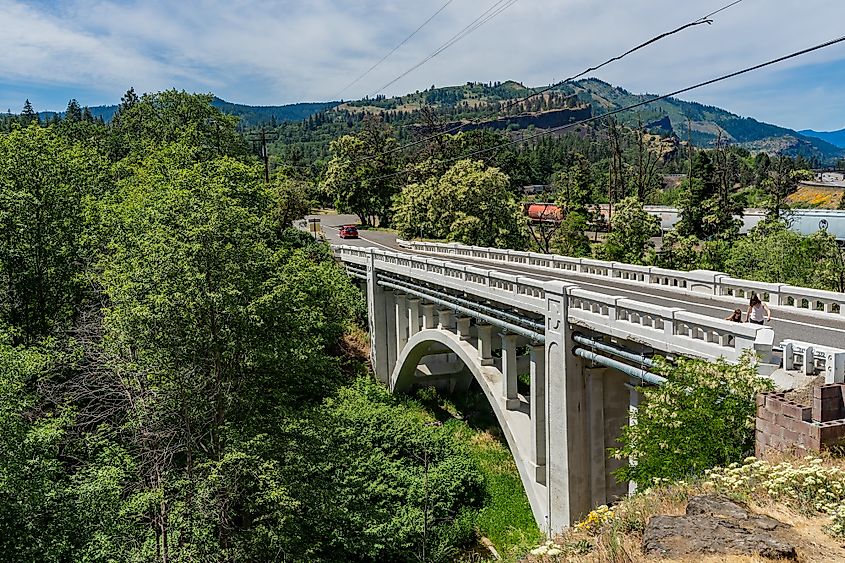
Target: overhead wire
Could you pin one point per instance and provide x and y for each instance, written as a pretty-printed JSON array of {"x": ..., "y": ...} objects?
[
  {"x": 700, "y": 21},
  {"x": 592, "y": 119},
  {"x": 491, "y": 12},
  {"x": 396, "y": 48}
]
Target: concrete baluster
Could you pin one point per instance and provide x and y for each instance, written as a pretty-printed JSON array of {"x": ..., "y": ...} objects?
[
  {"x": 809, "y": 361},
  {"x": 509, "y": 371}
]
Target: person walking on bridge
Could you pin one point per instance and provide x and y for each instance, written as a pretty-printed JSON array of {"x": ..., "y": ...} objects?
[
  {"x": 758, "y": 312},
  {"x": 735, "y": 317}
]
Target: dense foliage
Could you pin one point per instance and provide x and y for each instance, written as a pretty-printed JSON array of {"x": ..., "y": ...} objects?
[
  {"x": 701, "y": 418},
  {"x": 173, "y": 384},
  {"x": 470, "y": 204}
]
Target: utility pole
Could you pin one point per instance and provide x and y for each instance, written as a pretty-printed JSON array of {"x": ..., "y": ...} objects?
[{"x": 260, "y": 139}]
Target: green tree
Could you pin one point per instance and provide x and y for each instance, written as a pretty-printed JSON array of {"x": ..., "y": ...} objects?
[
  {"x": 174, "y": 116},
  {"x": 701, "y": 418},
  {"x": 28, "y": 114},
  {"x": 361, "y": 176},
  {"x": 779, "y": 182},
  {"x": 773, "y": 253},
  {"x": 291, "y": 200},
  {"x": 46, "y": 186},
  {"x": 631, "y": 233},
  {"x": 470, "y": 203}
]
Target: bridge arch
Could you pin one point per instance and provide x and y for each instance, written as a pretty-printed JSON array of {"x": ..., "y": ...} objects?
[{"x": 515, "y": 424}]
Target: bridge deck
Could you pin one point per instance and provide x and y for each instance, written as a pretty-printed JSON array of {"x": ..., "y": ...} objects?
[{"x": 787, "y": 322}]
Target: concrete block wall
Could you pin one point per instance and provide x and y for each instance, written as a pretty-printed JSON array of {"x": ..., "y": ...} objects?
[{"x": 785, "y": 425}]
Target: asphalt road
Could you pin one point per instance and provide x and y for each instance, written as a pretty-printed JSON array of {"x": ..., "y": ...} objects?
[{"x": 787, "y": 323}]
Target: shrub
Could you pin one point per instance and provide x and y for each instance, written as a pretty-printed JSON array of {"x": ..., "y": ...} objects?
[{"x": 702, "y": 417}]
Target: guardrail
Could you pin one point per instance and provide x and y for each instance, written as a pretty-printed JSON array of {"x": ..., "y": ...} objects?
[
  {"x": 827, "y": 360},
  {"x": 667, "y": 329},
  {"x": 700, "y": 281}
]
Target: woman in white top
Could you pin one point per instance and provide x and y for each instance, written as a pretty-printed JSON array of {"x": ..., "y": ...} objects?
[{"x": 758, "y": 312}]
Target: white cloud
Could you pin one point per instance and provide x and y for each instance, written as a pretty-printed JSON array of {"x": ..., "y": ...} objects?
[{"x": 286, "y": 51}]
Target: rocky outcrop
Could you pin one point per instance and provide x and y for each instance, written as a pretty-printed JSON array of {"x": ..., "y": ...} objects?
[{"x": 716, "y": 525}]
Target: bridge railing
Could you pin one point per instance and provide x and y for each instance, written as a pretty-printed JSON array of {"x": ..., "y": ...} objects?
[
  {"x": 664, "y": 328},
  {"x": 668, "y": 327},
  {"x": 700, "y": 281}
]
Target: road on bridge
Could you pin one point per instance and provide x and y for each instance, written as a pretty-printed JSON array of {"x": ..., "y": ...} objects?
[{"x": 788, "y": 323}]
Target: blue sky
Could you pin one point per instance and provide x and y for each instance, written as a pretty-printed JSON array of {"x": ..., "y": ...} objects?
[{"x": 275, "y": 52}]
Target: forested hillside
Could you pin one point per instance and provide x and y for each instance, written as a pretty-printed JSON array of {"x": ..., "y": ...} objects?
[
  {"x": 249, "y": 116},
  {"x": 504, "y": 106},
  {"x": 181, "y": 373}
]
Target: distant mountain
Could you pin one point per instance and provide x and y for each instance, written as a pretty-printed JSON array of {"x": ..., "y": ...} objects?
[
  {"x": 251, "y": 116},
  {"x": 836, "y": 138},
  {"x": 706, "y": 123}
]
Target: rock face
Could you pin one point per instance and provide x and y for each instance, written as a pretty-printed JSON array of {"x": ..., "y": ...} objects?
[{"x": 716, "y": 525}]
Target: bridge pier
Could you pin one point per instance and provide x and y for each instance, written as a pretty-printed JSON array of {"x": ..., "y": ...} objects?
[
  {"x": 377, "y": 299},
  {"x": 568, "y": 481},
  {"x": 509, "y": 373}
]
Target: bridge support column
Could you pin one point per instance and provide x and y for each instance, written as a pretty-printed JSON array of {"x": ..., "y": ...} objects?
[
  {"x": 633, "y": 407},
  {"x": 413, "y": 316},
  {"x": 390, "y": 309},
  {"x": 401, "y": 321},
  {"x": 485, "y": 344},
  {"x": 463, "y": 324},
  {"x": 597, "y": 453},
  {"x": 377, "y": 315},
  {"x": 428, "y": 320},
  {"x": 538, "y": 411},
  {"x": 509, "y": 371},
  {"x": 568, "y": 459},
  {"x": 445, "y": 318}
]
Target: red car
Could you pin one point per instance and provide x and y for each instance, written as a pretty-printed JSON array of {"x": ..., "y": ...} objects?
[{"x": 348, "y": 231}]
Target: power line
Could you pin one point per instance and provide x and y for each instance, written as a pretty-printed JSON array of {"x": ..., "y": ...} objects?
[
  {"x": 637, "y": 105},
  {"x": 491, "y": 12},
  {"x": 700, "y": 21},
  {"x": 396, "y": 48}
]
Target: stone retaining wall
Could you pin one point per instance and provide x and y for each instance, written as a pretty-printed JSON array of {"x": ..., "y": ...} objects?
[{"x": 785, "y": 425}]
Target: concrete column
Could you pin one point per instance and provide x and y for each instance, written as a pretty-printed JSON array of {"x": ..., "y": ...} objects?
[
  {"x": 595, "y": 413},
  {"x": 428, "y": 316},
  {"x": 463, "y": 324},
  {"x": 809, "y": 364},
  {"x": 616, "y": 405},
  {"x": 377, "y": 315},
  {"x": 401, "y": 309},
  {"x": 413, "y": 316},
  {"x": 445, "y": 317},
  {"x": 485, "y": 344},
  {"x": 538, "y": 411},
  {"x": 568, "y": 461},
  {"x": 633, "y": 406},
  {"x": 509, "y": 371},
  {"x": 390, "y": 314}
]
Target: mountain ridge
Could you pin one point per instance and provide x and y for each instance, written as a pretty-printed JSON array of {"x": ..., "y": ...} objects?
[
  {"x": 251, "y": 116},
  {"x": 836, "y": 138}
]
